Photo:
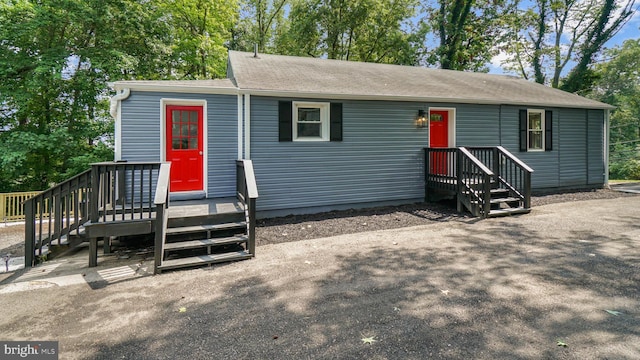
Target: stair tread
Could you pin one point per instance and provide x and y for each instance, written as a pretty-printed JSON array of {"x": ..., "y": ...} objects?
[
  {"x": 199, "y": 228},
  {"x": 192, "y": 244},
  {"x": 204, "y": 259},
  {"x": 507, "y": 212},
  {"x": 504, "y": 200}
]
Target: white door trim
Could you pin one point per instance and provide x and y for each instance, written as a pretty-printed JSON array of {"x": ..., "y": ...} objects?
[
  {"x": 451, "y": 130},
  {"x": 163, "y": 136}
]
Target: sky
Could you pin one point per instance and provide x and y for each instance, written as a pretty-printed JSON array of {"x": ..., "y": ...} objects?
[{"x": 631, "y": 30}]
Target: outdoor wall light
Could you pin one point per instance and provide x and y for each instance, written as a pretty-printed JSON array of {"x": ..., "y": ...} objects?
[{"x": 421, "y": 120}]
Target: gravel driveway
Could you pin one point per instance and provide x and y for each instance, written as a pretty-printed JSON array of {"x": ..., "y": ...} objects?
[{"x": 504, "y": 288}]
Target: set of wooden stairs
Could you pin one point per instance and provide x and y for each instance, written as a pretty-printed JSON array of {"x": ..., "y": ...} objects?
[
  {"x": 503, "y": 203},
  {"x": 202, "y": 237}
]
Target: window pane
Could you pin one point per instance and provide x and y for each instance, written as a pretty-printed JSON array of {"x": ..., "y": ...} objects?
[
  {"x": 309, "y": 114},
  {"x": 535, "y": 140},
  {"x": 175, "y": 143},
  {"x": 309, "y": 130},
  {"x": 535, "y": 121},
  {"x": 193, "y": 143},
  {"x": 193, "y": 116},
  {"x": 175, "y": 129},
  {"x": 175, "y": 116},
  {"x": 185, "y": 142},
  {"x": 185, "y": 129},
  {"x": 193, "y": 129}
]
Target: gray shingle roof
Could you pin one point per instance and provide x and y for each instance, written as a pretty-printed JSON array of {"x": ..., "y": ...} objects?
[
  {"x": 301, "y": 76},
  {"x": 168, "y": 84}
]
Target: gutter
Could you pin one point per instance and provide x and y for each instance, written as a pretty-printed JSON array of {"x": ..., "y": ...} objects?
[
  {"x": 114, "y": 110},
  {"x": 115, "y": 101}
]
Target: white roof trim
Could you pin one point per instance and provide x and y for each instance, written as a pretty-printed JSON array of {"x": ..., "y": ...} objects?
[
  {"x": 446, "y": 100},
  {"x": 177, "y": 88}
]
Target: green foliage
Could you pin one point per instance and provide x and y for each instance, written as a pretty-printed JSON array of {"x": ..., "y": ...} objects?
[
  {"x": 358, "y": 30},
  {"x": 198, "y": 31},
  {"x": 618, "y": 83},
  {"x": 553, "y": 36},
  {"x": 57, "y": 57},
  {"x": 468, "y": 31}
]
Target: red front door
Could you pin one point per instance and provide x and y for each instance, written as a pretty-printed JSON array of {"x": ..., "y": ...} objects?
[
  {"x": 184, "y": 147},
  {"x": 439, "y": 138}
]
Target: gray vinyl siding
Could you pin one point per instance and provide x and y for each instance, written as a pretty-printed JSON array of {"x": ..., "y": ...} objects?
[
  {"x": 595, "y": 146},
  {"x": 573, "y": 147},
  {"x": 380, "y": 158},
  {"x": 477, "y": 125},
  {"x": 140, "y": 129},
  {"x": 544, "y": 163}
]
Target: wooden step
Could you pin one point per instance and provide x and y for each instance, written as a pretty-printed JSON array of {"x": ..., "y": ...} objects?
[
  {"x": 194, "y": 244},
  {"x": 504, "y": 200},
  {"x": 204, "y": 260},
  {"x": 496, "y": 192},
  {"x": 509, "y": 212},
  {"x": 203, "y": 228}
]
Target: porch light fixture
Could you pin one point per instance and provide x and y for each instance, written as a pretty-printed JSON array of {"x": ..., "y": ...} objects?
[{"x": 421, "y": 120}]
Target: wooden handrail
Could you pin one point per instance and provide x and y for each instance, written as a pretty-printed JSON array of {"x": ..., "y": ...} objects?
[
  {"x": 162, "y": 187},
  {"x": 477, "y": 162},
  {"x": 161, "y": 202},
  {"x": 247, "y": 193},
  {"x": 514, "y": 159}
]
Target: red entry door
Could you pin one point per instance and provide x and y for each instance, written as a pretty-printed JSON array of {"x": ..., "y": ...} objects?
[
  {"x": 184, "y": 147},
  {"x": 439, "y": 138}
]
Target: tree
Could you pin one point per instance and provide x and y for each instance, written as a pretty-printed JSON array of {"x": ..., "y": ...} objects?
[
  {"x": 358, "y": 30},
  {"x": 618, "y": 84},
  {"x": 261, "y": 23},
  {"x": 199, "y": 30},
  {"x": 467, "y": 31},
  {"x": 551, "y": 35}
]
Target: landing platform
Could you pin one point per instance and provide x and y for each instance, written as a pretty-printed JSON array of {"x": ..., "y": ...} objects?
[{"x": 188, "y": 208}]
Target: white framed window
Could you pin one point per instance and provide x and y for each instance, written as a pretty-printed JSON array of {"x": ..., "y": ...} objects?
[
  {"x": 535, "y": 130},
  {"x": 310, "y": 121}
]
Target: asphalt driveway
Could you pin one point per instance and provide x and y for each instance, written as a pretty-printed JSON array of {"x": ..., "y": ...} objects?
[{"x": 505, "y": 288}]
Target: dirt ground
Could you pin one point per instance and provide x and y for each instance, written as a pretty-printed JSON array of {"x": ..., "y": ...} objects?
[
  {"x": 304, "y": 227},
  {"x": 506, "y": 288}
]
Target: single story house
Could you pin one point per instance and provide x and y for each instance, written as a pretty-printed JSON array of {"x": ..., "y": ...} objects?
[{"x": 329, "y": 134}]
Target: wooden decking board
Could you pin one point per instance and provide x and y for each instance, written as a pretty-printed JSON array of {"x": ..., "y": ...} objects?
[
  {"x": 187, "y": 208},
  {"x": 204, "y": 259},
  {"x": 202, "y": 228},
  {"x": 507, "y": 212},
  {"x": 505, "y": 200},
  {"x": 194, "y": 244}
]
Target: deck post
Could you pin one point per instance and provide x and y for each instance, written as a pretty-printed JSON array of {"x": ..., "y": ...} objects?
[
  {"x": 95, "y": 193},
  {"x": 527, "y": 189},
  {"x": 459, "y": 180},
  {"x": 159, "y": 238},
  {"x": 93, "y": 252},
  {"x": 426, "y": 174},
  {"x": 252, "y": 226},
  {"x": 29, "y": 233}
]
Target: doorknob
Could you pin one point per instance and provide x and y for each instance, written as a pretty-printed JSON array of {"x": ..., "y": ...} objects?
[{"x": 200, "y": 152}]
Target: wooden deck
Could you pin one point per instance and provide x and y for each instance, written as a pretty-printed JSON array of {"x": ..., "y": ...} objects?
[{"x": 189, "y": 208}]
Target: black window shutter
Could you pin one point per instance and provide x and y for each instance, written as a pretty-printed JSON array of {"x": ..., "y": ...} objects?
[
  {"x": 523, "y": 130},
  {"x": 285, "y": 121},
  {"x": 548, "y": 130},
  {"x": 335, "y": 132}
]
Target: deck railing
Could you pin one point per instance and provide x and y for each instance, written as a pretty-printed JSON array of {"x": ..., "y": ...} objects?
[
  {"x": 474, "y": 184},
  {"x": 441, "y": 168},
  {"x": 55, "y": 213},
  {"x": 125, "y": 190},
  {"x": 110, "y": 191},
  {"x": 161, "y": 202},
  {"x": 511, "y": 173},
  {"x": 12, "y": 205},
  {"x": 247, "y": 193}
]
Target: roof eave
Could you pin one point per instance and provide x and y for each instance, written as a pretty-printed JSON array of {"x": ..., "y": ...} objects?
[
  {"x": 479, "y": 101},
  {"x": 191, "y": 89}
]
